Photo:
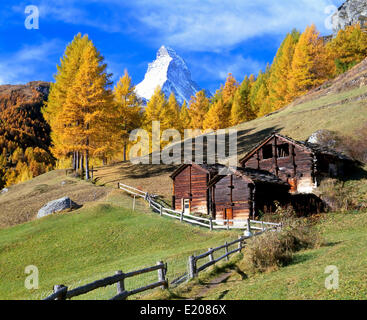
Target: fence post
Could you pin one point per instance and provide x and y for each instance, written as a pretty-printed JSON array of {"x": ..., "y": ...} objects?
[
  {"x": 240, "y": 243},
  {"x": 134, "y": 203},
  {"x": 181, "y": 218},
  {"x": 211, "y": 223},
  {"x": 120, "y": 285},
  {"x": 227, "y": 224},
  {"x": 146, "y": 196},
  {"x": 118, "y": 185},
  {"x": 61, "y": 296},
  {"x": 248, "y": 229},
  {"x": 162, "y": 275},
  {"x": 226, "y": 250},
  {"x": 262, "y": 225},
  {"x": 211, "y": 257},
  {"x": 192, "y": 267},
  {"x": 161, "y": 210}
]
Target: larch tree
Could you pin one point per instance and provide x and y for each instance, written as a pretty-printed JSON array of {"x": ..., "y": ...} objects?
[
  {"x": 64, "y": 79},
  {"x": 184, "y": 117},
  {"x": 199, "y": 106},
  {"x": 172, "y": 116},
  {"x": 311, "y": 64},
  {"x": 128, "y": 109},
  {"x": 89, "y": 114},
  {"x": 156, "y": 110},
  {"x": 279, "y": 92},
  {"x": 348, "y": 48},
  {"x": 217, "y": 117},
  {"x": 241, "y": 110}
]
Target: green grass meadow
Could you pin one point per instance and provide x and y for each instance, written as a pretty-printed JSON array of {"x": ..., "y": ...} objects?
[{"x": 91, "y": 243}]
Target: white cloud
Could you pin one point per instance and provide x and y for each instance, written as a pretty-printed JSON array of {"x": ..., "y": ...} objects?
[{"x": 211, "y": 25}]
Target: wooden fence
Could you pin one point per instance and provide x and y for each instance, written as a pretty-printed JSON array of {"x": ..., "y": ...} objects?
[
  {"x": 61, "y": 292},
  {"x": 193, "y": 269},
  {"x": 228, "y": 224}
]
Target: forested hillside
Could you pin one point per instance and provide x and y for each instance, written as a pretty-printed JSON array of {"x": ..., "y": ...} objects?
[{"x": 24, "y": 134}]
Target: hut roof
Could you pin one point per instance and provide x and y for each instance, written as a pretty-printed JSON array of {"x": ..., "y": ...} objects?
[
  {"x": 254, "y": 175},
  {"x": 310, "y": 147},
  {"x": 209, "y": 168}
]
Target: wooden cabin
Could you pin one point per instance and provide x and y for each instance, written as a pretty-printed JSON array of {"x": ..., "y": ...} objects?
[
  {"x": 190, "y": 187},
  {"x": 302, "y": 165},
  {"x": 243, "y": 193}
]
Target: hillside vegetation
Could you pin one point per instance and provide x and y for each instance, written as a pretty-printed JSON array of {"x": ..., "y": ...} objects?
[
  {"x": 344, "y": 243},
  {"x": 93, "y": 242}
]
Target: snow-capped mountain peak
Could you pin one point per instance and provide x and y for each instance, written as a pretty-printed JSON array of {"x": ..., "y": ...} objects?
[{"x": 170, "y": 72}]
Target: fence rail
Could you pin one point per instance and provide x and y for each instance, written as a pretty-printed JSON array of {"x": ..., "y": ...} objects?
[
  {"x": 212, "y": 224},
  {"x": 193, "y": 269},
  {"x": 61, "y": 292}
]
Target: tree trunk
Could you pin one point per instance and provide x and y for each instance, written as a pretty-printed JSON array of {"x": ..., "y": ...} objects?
[
  {"x": 73, "y": 161},
  {"x": 77, "y": 160},
  {"x": 86, "y": 165},
  {"x": 125, "y": 147}
]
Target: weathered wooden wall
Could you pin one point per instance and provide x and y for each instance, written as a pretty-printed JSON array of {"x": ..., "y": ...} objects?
[
  {"x": 295, "y": 168},
  {"x": 232, "y": 192},
  {"x": 191, "y": 183}
]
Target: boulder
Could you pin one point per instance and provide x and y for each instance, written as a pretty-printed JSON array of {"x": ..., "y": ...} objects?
[
  {"x": 56, "y": 206},
  {"x": 5, "y": 190},
  {"x": 324, "y": 138}
]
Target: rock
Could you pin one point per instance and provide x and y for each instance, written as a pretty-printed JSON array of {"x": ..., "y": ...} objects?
[
  {"x": 351, "y": 12},
  {"x": 5, "y": 190},
  {"x": 56, "y": 206},
  {"x": 322, "y": 137}
]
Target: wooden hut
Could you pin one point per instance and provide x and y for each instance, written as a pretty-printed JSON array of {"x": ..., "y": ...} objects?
[
  {"x": 243, "y": 193},
  {"x": 301, "y": 164},
  {"x": 190, "y": 187}
]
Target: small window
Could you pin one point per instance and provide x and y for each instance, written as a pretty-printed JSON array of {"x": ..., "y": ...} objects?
[
  {"x": 283, "y": 150},
  {"x": 268, "y": 151}
]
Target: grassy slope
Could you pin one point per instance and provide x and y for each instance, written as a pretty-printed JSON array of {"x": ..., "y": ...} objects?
[
  {"x": 23, "y": 200},
  {"x": 304, "y": 279},
  {"x": 345, "y": 236},
  {"x": 95, "y": 241}
]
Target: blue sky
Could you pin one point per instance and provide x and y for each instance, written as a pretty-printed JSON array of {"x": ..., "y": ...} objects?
[{"x": 214, "y": 37}]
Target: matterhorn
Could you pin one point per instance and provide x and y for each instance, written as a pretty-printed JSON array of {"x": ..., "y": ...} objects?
[{"x": 170, "y": 72}]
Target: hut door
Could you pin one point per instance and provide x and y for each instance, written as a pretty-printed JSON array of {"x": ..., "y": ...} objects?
[
  {"x": 187, "y": 206},
  {"x": 228, "y": 214}
]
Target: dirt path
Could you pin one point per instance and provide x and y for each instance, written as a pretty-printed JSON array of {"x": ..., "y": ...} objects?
[{"x": 206, "y": 287}]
